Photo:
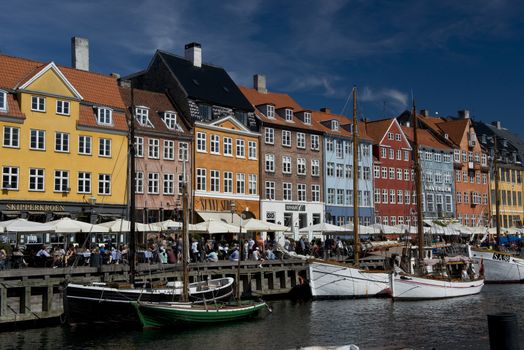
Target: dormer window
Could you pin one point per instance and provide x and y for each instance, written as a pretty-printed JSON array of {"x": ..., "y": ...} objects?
[
  {"x": 307, "y": 118},
  {"x": 104, "y": 116},
  {"x": 169, "y": 119},
  {"x": 289, "y": 115},
  {"x": 142, "y": 116},
  {"x": 270, "y": 112},
  {"x": 206, "y": 112},
  {"x": 334, "y": 125},
  {"x": 3, "y": 101}
]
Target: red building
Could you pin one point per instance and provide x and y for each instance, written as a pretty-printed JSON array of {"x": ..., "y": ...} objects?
[{"x": 394, "y": 189}]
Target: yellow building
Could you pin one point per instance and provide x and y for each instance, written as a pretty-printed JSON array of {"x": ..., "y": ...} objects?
[
  {"x": 510, "y": 196},
  {"x": 64, "y": 142}
]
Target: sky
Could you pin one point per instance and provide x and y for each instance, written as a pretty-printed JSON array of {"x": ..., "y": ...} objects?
[{"x": 450, "y": 55}]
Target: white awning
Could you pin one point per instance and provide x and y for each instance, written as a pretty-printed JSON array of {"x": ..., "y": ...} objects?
[{"x": 220, "y": 216}]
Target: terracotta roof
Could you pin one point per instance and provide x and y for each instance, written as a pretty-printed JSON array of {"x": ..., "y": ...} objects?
[
  {"x": 279, "y": 100},
  {"x": 88, "y": 118},
  {"x": 425, "y": 138},
  {"x": 158, "y": 103},
  {"x": 13, "y": 108},
  {"x": 455, "y": 129},
  {"x": 376, "y": 129},
  {"x": 324, "y": 118},
  {"x": 95, "y": 88}
]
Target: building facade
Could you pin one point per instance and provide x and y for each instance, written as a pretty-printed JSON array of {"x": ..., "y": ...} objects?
[
  {"x": 339, "y": 170},
  {"x": 163, "y": 145},
  {"x": 291, "y": 174}
]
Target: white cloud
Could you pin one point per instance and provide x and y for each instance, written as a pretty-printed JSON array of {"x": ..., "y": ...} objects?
[{"x": 396, "y": 98}]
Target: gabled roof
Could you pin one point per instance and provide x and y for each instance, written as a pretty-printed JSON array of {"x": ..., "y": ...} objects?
[
  {"x": 158, "y": 103},
  {"x": 489, "y": 130},
  {"x": 207, "y": 83},
  {"x": 455, "y": 129},
  {"x": 425, "y": 138},
  {"x": 216, "y": 125},
  {"x": 324, "y": 120},
  {"x": 279, "y": 100},
  {"x": 95, "y": 88},
  {"x": 376, "y": 129},
  {"x": 51, "y": 66}
]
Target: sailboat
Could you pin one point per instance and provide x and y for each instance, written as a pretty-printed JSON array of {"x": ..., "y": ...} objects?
[
  {"x": 432, "y": 278},
  {"x": 165, "y": 314},
  {"x": 329, "y": 279},
  {"x": 498, "y": 266},
  {"x": 111, "y": 302}
]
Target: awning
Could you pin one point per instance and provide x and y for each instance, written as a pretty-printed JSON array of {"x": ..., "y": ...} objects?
[
  {"x": 11, "y": 212},
  {"x": 219, "y": 216}
]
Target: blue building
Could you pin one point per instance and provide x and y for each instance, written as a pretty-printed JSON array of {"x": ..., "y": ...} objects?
[{"x": 339, "y": 170}]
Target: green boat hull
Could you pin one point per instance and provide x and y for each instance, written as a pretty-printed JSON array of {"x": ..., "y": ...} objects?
[{"x": 156, "y": 315}]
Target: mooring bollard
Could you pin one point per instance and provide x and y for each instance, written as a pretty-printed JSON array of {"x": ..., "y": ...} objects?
[{"x": 503, "y": 331}]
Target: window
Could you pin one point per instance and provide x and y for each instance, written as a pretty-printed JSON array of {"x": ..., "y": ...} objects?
[
  {"x": 270, "y": 163},
  {"x": 286, "y": 138},
  {"x": 286, "y": 165},
  {"x": 383, "y": 152},
  {"x": 438, "y": 157},
  {"x": 392, "y": 198},
  {"x": 459, "y": 197},
  {"x": 349, "y": 171},
  {"x": 169, "y": 184},
  {"x": 307, "y": 118},
  {"x": 289, "y": 115},
  {"x": 315, "y": 167},
  {"x": 338, "y": 149},
  {"x": 399, "y": 154},
  {"x": 201, "y": 142},
  {"x": 287, "y": 191},
  {"x": 484, "y": 179},
  {"x": 400, "y": 196},
  {"x": 241, "y": 150},
  {"x": 269, "y": 136},
  {"x": 334, "y": 125},
  {"x": 38, "y": 104},
  {"x": 104, "y": 116},
  {"x": 153, "y": 180},
  {"x": 399, "y": 174},
  {"x": 484, "y": 161},
  {"x": 139, "y": 182},
  {"x": 456, "y": 155},
  {"x": 11, "y": 137},
  {"x": 10, "y": 178},
  {"x": 397, "y": 137},
  {"x": 315, "y": 193},
  {"x": 252, "y": 150},
  {"x": 329, "y": 145},
  {"x": 37, "y": 140},
  {"x": 376, "y": 172},
  {"x": 330, "y": 169},
  {"x": 376, "y": 197},
  {"x": 61, "y": 181},
  {"x": 301, "y": 140},
  {"x": 393, "y": 220},
  {"x": 391, "y": 153},
  {"x": 214, "y": 144},
  {"x": 340, "y": 196},
  {"x": 61, "y": 142},
  {"x": 3, "y": 101},
  {"x": 241, "y": 183},
  {"x": 84, "y": 182},
  {"x": 407, "y": 197},
  {"x": 252, "y": 184},
  {"x": 301, "y": 166},
  {"x": 36, "y": 179},
  {"x": 201, "y": 179},
  {"x": 214, "y": 184},
  {"x": 340, "y": 170},
  {"x": 392, "y": 173},
  {"x": 228, "y": 182},
  {"x": 315, "y": 142},
  {"x": 390, "y": 136},
  {"x": 406, "y": 156},
  {"x": 385, "y": 196},
  {"x": 62, "y": 107},
  {"x": 270, "y": 190},
  {"x": 228, "y": 146},
  {"x": 270, "y": 111},
  {"x": 301, "y": 192},
  {"x": 384, "y": 172},
  {"x": 84, "y": 144},
  {"x": 153, "y": 149},
  {"x": 406, "y": 175},
  {"x": 139, "y": 146},
  {"x": 169, "y": 149},
  {"x": 448, "y": 203},
  {"x": 104, "y": 147},
  {"x": 183, "y": 151},
  {"x": 464, "y": 156},
  {"x": 104, "y": 184},
  {"x": 170, "y": 120}
]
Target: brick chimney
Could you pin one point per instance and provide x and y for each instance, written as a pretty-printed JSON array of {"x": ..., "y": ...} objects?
[
  {"x": 325, "y": 109},
  {"x": 463, "y": 114},
  {"x": 193, "y": 53},
  {"x": 424, "y": 112},
  {"x": 497, "y": 124},
  {"x": 80, "y": 53},
  {"x": 259, "y": 83}
]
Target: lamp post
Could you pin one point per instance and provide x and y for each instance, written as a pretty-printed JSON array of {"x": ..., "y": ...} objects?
[{"x": 232, "y": 206}]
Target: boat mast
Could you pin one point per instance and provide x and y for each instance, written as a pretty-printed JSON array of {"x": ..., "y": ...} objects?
[
  {"x": 132, "y": 219},
  {"x": 418, "y": 189},
  {"x": 185, "y": 237},
  {"x": 355, "y": 180},
  {"x": 497, "y": 195}
]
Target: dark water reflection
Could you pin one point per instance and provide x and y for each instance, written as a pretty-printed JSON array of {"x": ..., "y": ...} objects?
[{"x": 370, "y": 323}]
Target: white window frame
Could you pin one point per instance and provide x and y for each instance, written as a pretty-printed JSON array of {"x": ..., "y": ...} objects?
[
  {"x": 104, "y": 147},
  {"x": 63, "y": 138},
  {"x": 38, "y": 103},
  {"x": 153, "y": 183},
  {"x": 301, "y": 193},
  {"x": 269, "y": 136},
  {"x": 307, "y": 118},
  {"x": 228, "y": 146},
  {"x": 11, "y": 137},
  {"x": 139, "y": 182},
  {"x": 270, "y": 190},
  {"x": 84, "y": 182},
  {"x": 289, "y": 115},
  {"x": 201, "y": 177},
  {"x": 228, "y": 182},
  {"x": 153, "y": 148},
  {"x": 315, "y": 142},
  {"x": 301, "y": 140},
  {"x": 142, "y": 116},
  {"x": 36, "y": 181},
  {"x": 240, "y": 183},
  {"x": 240, "y": 149},
  {"x": 201, "y": 142},
  {"x": 315, "y": 167},
  {"x": 252, "y": 150},
  {"x": 61, "y": 181},
  {"x": 104, "y": 116},
  {"x": 269, "y": 163},
  {"x": 170, "y": 120},
  {"x": 183, "y": 151},
  {"x": 214, "y": 144},
  {"x": 270, "y": 111},
  {"x": 214, "y": 180},
  {"x": 286, "y": 138},
  {"x": 139, "y": 146},
  {"x": 287, "y": 191},
  {"x": 85, "y": 145},
  {"x": 3, "y": 101},
  {"x": 63, "y": 107},
  {"x": 104, "y": 184},
  {"x": 286, "y": 164},
  {"x": 252, "y": 184},
  {"x": 169, "y": 150},
  {"x": 10, "y": 178},
  {"x": 315, "y": 193},
  {"x": 168, "y": 184}
]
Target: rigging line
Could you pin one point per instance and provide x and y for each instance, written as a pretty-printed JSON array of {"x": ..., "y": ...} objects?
[{"x": 347, "y": 101}]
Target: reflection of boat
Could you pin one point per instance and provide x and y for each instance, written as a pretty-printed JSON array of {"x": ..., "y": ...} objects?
[
  {"x": 337, "y": 280},
  {"x": 167, "y": 314},
  {"x": 427, "y": 278}
]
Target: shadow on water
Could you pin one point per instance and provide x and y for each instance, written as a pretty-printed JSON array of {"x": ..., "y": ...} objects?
[{"x": 459, "y": 323}]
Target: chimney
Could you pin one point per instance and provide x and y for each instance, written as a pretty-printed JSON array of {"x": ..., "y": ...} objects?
[
  {"x": 124, "y": 83},
  {"x": 259, "y": 83},
  {"x": 463, "y": 114},
  {"x": 80, "y": 53},
  {"x": 115, "y": 75},
  {"x": 325, "y": 109},
  {"x": 408, "y": 124},
  {"x": 194, "y": 54},
  {"x": 497, "y": 124},
  {"x": 424, "y": 112}
]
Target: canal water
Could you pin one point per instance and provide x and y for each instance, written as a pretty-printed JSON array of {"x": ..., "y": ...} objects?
[{"x": 459, "y": 323}]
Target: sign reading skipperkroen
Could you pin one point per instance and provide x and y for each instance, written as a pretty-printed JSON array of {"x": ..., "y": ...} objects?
[{"x": 34, "y": 207}]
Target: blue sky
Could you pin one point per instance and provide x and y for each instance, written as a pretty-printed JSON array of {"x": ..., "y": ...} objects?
[{"x": 452, "y": 54}]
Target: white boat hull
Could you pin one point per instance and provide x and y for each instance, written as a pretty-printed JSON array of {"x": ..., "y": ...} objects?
[
  {"x": 338, "y": 281},
  {"x": 405, "y": 286},
  {"x": 499, "y": 268}
]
